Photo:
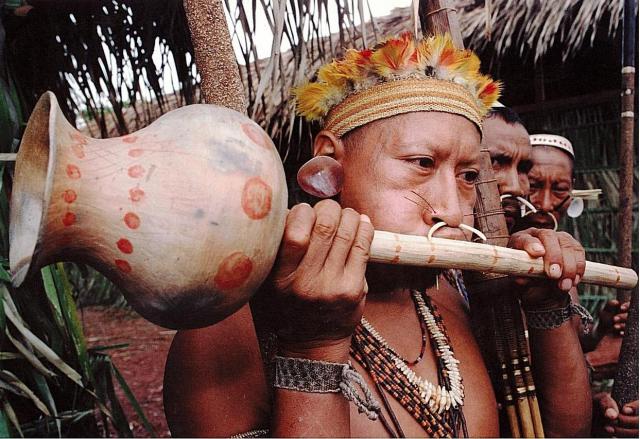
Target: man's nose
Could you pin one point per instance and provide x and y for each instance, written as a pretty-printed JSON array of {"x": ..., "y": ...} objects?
[
  {"x": 510, "y": 184},
  {"x": 446, "y": 207},
  {"x": 542, "y": 200}
]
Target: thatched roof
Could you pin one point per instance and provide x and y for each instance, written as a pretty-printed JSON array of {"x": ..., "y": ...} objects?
[
  {"x": 48, "y": 48},
  {"x": 534, "y": 27}
]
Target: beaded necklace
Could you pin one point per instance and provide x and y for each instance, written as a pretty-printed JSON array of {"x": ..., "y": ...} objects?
[{"x": 437, "y": 408}]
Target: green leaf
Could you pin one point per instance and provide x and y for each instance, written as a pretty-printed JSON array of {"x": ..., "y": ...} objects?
[
  {"x": 45, "y": 393},
  {"x": 133, "y": 401},
  {"x": 70, "y": 313},
  {"x": 8, "y": 410},
  {"x": 10, "y": 356},
  {"x": 4, "y": 274},
  {"x": 30, "y": 357},
  {"x": 38, "y": 344},
  {"x": 3, "y": 320},
  {"x": 104, "y": 388},
  {"x": 52, "y": 295},
  {"x": 4, "y": 425},
  {"x": 9, "y": 381}
]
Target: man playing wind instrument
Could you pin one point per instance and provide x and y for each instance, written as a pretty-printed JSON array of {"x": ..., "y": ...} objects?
[{"x": 325, "y": 350}]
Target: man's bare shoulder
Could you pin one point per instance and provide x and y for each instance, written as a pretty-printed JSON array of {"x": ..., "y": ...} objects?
[{"x": 214, "y": 380}]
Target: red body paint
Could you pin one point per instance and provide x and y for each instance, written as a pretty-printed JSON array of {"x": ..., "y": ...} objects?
[
  {"x": 137, "y": 152},
  {"x": 73, "y": 172},
  {"x": 132, "y": 220},
  {"x": 233, "y": 271},
  {"x": 123, "y": 265},
  {"x": 129, "y": 139},
  {"x": 136, "y": 171},
  {"x": 69, "y": 196},
  {"x": 69, "y": 219},
  {"x": 256, "y": 198},
  {"x": 125, "y": 246}
]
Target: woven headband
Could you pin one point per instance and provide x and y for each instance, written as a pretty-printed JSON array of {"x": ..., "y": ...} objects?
[{"x": 398, "y": 97}]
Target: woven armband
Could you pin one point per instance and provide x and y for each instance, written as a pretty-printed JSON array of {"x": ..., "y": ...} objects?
[
  {"x": 311, "y": 376},
  {"x": 553, "y": 318}
]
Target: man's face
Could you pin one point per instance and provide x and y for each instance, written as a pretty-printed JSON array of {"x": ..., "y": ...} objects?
[
  {"x": 510, "y": 152},
  {"x": 411, "y": 171},
  {"x": 551, "y": 182}
]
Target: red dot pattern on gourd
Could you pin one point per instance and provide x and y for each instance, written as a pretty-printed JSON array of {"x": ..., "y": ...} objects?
[
  {"x": 136, "y": 152},
  {"x": 77, "y": 137},
  {"x": 129, "y": 139},
  {"x": 256, "y": 135},
  {"x": 73, "y": 172},
  {"x": 69, "y": 196},
  {"x": 136, "y": 171},
  {"x": 123, "y": 265},
  {"x": 125, "y": 246},
  {"x": 78, "y": 150},
  {"x": 233, "y": 271},
  {"x": 136, "y": 194},
  {"x": 256, "y": 198},
  {"x": 132, "y": 220},
  {"x": 69, "y": 219}
]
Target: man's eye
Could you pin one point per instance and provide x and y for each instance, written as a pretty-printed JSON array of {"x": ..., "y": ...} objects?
[
  {"x": 525, "y": 166},
  {"x": 535, "y": 185},
  {"x": 423, "y": 162},
  {"x": 500, "y": 160},
  {"x": 470, "y": 176}
]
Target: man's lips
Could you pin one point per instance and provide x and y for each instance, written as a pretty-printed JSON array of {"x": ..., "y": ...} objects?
[
  {"x": 540, "y": 221},
  {"x": 511, "y": 208}
]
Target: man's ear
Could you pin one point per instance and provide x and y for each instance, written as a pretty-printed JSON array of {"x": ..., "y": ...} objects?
[{"x": 326, "y": 143}]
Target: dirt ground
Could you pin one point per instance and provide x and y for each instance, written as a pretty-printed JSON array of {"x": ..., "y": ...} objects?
[{"x": 141, "y": 362}]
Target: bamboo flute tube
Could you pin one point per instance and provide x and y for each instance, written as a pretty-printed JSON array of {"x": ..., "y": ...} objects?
[{"x": 394, "y": 248}]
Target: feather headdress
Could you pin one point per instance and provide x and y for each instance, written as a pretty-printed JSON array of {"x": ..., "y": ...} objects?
[{"x": 396, "y": 60}]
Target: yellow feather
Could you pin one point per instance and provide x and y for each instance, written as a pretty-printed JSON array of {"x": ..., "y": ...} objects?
[
  {"x": 314, "y": 100},
  {"x": 488, "y": 90},
  {"x": 395, "y": 58}
]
